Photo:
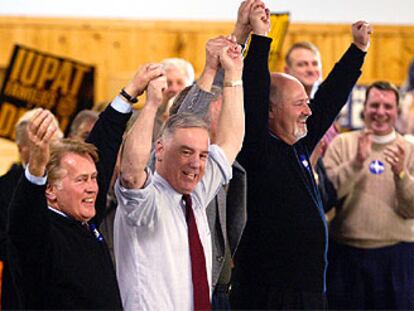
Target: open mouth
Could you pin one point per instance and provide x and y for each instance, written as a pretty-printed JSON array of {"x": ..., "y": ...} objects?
[
  {"x": 89, "y": 201},
  {"x": 191, "y": 176}
]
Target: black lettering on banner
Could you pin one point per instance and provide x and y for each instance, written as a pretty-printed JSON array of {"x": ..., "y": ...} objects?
[{"x": 37, "y": 79}]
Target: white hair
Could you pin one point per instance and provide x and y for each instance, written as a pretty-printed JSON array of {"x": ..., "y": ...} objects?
[{"x": 181, "y": 64}]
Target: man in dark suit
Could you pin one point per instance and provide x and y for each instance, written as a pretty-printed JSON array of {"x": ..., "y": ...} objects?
[
  {"x": 8, "y": 183},
  {"x": 59, "y": 258},
  {"x": 281, "y": 261}
]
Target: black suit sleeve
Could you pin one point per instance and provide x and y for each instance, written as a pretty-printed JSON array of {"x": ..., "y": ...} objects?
[
  {"x": 106, "y": 135},
  {"x": 333, "y": 94},
  {"x": 256, "y": 85}
]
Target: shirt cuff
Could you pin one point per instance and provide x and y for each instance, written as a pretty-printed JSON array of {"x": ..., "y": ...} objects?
[
  {"x": 40, "y": 181},
  {"x": 120, "y": 105}
]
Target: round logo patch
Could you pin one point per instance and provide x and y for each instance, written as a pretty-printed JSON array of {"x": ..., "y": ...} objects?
[{"x": 376, "y": 167}]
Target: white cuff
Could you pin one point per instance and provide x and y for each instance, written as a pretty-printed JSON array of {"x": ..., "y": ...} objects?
[
  {"x": 40, "y": 181},
  {"x": 121, "y": 105}
]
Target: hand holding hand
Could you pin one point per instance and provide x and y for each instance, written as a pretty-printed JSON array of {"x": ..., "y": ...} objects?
[
  {"x": 364, "y": 147},
  {"x": 40, "y": 132},
  {"x": 232, "y": 62},
  {"x": 213, "y": 50},
  {"x": 361, "y": 32},
  {"x": 260, "y": 18},
  {"x": 242, "y": 28},
  {"x": 142, "y": 77},
  {"x": 395, "y": 156},
  {"x": 155, "y": 90}
]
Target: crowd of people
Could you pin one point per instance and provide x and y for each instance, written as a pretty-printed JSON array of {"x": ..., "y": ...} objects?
[{"x": 214, "y": 195}]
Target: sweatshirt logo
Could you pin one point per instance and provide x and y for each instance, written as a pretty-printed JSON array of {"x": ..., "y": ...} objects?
[{"x": 376, "y": 167}]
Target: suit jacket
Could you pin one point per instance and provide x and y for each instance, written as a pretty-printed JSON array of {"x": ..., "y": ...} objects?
[
  {"x": 227, "y": 216},
  {"x": 285, "y": 241},
  {"x": 8, "y": 183},
  {"x": 57, "y": 263}
]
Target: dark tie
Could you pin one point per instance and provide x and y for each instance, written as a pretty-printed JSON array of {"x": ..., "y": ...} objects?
[{"x": 198, "y": 262}]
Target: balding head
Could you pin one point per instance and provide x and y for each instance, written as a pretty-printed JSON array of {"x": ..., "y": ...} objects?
[
  {"x": 288, "y": 108},
  {"x": 280, "y": 83}
]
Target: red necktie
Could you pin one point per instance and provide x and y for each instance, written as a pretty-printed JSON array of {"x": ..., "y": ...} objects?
[{"x": 198, "y": 262}]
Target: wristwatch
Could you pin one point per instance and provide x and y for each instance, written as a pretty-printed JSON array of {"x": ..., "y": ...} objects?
[{"x": 129, "y": 98}]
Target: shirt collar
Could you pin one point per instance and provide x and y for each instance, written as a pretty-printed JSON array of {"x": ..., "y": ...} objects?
[
  {"x": 167, "y": 188},
  {"x": 57, "y": 211},
  {"x": 385, "y": 139}
]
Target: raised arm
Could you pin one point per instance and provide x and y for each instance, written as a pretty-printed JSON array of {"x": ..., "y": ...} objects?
[
  {"x": 40, "y": 132},
  {"x": 256, "y": 85},
  {"x": 108, "y": 131},
  {"x": 198, "y": 97},
  {"x": 138, "y": 141},
  {"x": 242, "y": 27},
  {"x": 230, "y": 130},
  {"x": 333, "y": 93},
  {"x": 28, "y": 221}
]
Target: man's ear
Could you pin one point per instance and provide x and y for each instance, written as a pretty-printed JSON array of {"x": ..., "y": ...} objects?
[
  {"x": 50, "y": 194},
  {"x": 159, "y": 148},
  {"x": 272, "y": 111},
  {"x": 362, "y": 115}
]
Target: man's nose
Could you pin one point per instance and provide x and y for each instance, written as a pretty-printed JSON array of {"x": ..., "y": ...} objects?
[
  {"x": 380, "y": 109},
  {"x": 92, "y": 185},
  {"x": 195, "y": 161},
  {"x": 308, "y": 110},
  {"x": 174, "y": 88}
]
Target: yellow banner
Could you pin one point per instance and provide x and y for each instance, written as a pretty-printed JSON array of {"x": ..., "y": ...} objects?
[
  {"x": 279, "y": 23},
  {"x": 37, "y": 79},
  {"x": 279, "y": 26}
]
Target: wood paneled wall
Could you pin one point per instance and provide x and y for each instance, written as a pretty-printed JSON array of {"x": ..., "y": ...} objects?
[{"x": 118, "y": 47}]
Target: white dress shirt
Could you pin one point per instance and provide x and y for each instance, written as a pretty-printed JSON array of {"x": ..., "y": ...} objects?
[{"x": 152, "y": 253}]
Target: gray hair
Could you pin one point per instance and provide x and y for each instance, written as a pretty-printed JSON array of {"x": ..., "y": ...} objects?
[
  {"x": 181, "y": 64},
  {"x": 182, "y": 120},
  {"x": 82, "y": 116}
]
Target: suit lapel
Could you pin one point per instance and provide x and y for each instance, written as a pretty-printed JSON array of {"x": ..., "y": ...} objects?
[{"x": 304, "y": 175}]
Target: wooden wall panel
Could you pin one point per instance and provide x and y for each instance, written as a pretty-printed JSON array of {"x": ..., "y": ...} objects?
[{"x": 118, "y": 47}]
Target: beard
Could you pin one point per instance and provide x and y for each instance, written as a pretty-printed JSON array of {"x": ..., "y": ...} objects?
[{"x": 300, "y": 133}]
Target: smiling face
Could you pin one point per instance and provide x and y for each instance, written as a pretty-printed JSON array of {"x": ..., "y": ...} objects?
[
  {"x": 75, "y": 192},
  {"x": 182, "y": 158},
  {"x": 305, "y": 66},
  {"x": 381, "y": 111},
  {"x": 289, "y": 111}
]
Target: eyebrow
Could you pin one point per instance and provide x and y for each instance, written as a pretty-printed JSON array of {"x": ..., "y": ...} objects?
[
  {"x": 192, "y": 149},
  {"x": 86, "y": 174}
]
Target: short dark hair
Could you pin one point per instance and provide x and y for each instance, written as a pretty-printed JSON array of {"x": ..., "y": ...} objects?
[{"x": 383, "y": 86}]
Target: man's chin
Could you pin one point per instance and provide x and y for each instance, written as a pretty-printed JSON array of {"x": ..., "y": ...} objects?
[{"x": 300, "y": 134}]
